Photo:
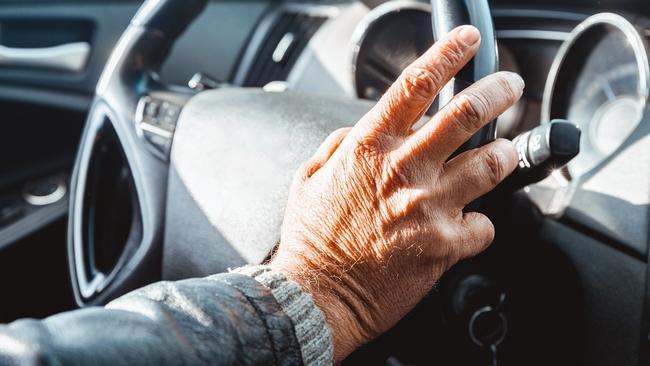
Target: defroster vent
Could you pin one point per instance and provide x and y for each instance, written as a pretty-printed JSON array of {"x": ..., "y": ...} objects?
[{"x": 282, "y": 46}]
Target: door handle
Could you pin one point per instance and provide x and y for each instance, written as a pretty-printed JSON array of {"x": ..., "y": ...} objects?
[{"x": 66, "y": 57}]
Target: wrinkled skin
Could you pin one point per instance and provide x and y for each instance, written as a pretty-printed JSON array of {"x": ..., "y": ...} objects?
[{"x": 376, "y": 217}]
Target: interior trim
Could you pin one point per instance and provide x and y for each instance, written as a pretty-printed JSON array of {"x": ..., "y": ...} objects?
[
  {"x": 536, "y": 34},
  {"x": 70, "y": 57}
]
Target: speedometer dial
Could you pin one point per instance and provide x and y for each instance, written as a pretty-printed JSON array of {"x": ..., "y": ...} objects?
[
  {"x": 600, "y": 82},
  {"x": 608, "y": 108}
]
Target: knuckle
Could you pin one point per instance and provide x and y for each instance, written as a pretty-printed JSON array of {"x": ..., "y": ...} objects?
[
  {"x": 421, "y": 201},
  {"x": 448, "y": 236},
  {"x": 399, "y": 171},
  {"x": 443, "y": 250},
  {"x": 484, "y": 225},
  {"x": 366, "y": 148},
  {"x": 305, "y": 171},
  {"x": 479, "y": 233},
  {"x": 407, "y": 202},
  {"x": 420, "y": 83},
  {"x": 489, "y": 231},
  {"x": 469, "y": 111},
  {"x": 484, "y": 232},
  {"x": 506, "y": 87},
  {"x": 301, "y": 174},
  {"x": 494, "y": 163},
  {"x": 394, "y": 177},
  {"x": 482, "y": 106},
  {"x": 451, "y": 54}
]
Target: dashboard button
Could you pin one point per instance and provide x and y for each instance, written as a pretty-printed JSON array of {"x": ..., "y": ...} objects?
[
  {"x": 156, "y": 121},
  {"x": 159, "y": 143},
  {"x": 45, "y": 191},
  {"x": 151, "y": 109}
]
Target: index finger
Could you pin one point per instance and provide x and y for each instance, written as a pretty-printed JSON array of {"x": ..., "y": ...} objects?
[
  {"x": 414, "y": 90},
  {"x": 465, "y": 114}
]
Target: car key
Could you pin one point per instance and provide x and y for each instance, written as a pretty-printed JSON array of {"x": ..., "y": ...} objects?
[{"x": 488, "y": 327}]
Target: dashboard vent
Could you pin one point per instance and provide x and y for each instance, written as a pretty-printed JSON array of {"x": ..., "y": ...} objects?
[{"x": 283, "y": 44}]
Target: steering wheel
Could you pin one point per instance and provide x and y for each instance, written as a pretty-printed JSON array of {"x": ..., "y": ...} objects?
[
  {"x": 171, "y": 183},
  {"x": 447, "y": 15}
]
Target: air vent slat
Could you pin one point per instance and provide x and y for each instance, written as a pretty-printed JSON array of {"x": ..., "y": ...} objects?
[
  {"x": 258, "y": 68},
  {"x": 282, "y": 47}
]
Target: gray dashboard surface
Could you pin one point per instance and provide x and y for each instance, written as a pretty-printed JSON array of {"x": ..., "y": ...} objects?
[
  {"x": 234, "y": 155},
  {"x": 613, "y": 199},
  {"x": 612, "y": 285}
]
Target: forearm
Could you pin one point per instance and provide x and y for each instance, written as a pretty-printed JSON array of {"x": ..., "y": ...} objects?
[{"x": 220, "y": 320}]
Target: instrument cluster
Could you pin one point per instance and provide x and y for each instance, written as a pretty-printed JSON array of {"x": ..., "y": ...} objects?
[{"x": 599, "y": 81}]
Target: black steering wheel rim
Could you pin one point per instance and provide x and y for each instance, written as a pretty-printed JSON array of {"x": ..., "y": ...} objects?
[{"x": 449, "y": 14}]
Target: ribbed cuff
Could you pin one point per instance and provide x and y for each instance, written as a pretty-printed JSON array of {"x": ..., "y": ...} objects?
[{"x": 308, "y": 320}]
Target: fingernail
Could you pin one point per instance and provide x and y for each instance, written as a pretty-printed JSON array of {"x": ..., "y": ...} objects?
[
  {"x": 469, "y": 35},
  {"x": 516, "y": 80},
  {"x": 507, "y": 150}
]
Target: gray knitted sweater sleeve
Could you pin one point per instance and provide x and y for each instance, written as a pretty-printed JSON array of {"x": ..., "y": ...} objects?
[
  {"x": 308, "y": 321},
  {"x": 254, "y": 317}
]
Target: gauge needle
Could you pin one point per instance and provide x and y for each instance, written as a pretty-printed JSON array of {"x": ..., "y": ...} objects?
[{"x": 608, "y": 90}]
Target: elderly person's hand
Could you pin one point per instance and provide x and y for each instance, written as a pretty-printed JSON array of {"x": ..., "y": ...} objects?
[{"x": 375, "y": 217}]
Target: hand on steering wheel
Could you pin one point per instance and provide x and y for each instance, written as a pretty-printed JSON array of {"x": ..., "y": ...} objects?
[{"x": 376, "y": 216}]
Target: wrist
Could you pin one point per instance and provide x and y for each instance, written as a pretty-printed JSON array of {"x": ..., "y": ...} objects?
[
  {"x": 343, "y": 310},
  {"x": 310, "y": 327}
]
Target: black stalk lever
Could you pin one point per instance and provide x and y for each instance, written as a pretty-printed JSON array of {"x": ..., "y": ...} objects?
[{"x": 541, "y": 151}]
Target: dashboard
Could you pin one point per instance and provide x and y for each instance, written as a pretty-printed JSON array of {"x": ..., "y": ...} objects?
[{"x": 590, "y": 70}]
